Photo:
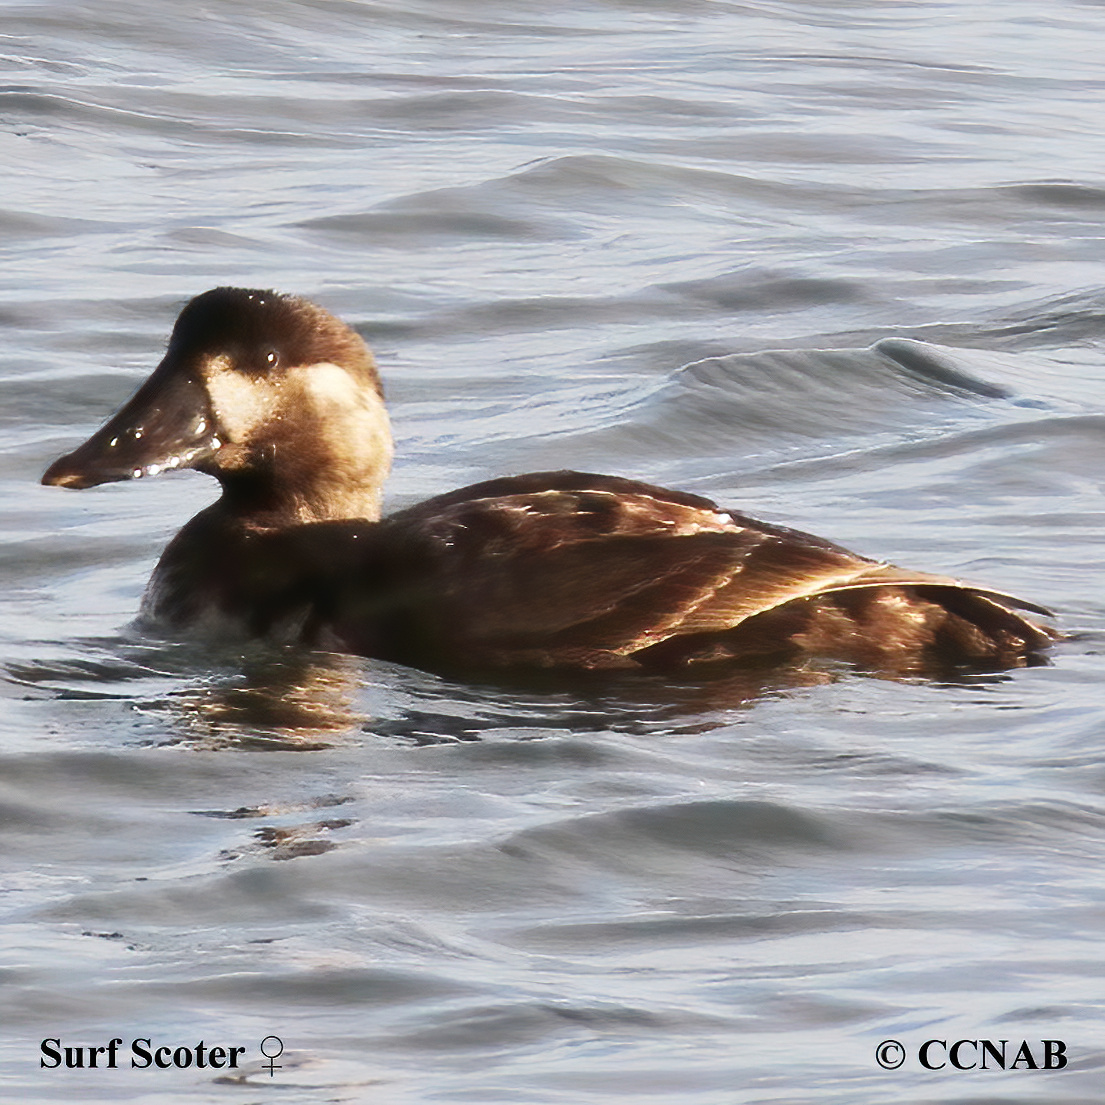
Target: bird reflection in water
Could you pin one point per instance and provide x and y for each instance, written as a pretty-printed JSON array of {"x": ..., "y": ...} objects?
[
  {"x": 292, "y": 702},
  {"x": 312, "y": 701}
]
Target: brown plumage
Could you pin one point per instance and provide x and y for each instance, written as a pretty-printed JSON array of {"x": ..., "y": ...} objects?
[{"x": 281, "y": 403}]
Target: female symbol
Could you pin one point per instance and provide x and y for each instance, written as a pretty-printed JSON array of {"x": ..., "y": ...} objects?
[{"x": 271, "y": 1066}]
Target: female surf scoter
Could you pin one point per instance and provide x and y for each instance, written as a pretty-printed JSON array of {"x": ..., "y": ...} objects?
[{"x": 282, "y": 404}]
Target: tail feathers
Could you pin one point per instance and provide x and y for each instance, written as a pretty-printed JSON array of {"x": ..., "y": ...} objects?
[
  {"x": 923, "y": 625},
  {"x": 993, "y": 616}
]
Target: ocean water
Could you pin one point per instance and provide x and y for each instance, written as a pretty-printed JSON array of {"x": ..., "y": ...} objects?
[{"x": 837, "y": 265}]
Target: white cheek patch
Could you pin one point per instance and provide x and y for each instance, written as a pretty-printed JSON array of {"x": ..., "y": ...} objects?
[
  {"x": 327, "y": 387},
  {"x": 354, "y": 412},
  {"x": 352, "y": 417},
  {"x": 241, "y": 403},
  {"x": 316, "y": 417}
]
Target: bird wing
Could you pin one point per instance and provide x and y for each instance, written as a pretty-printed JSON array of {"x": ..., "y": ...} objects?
[{"x": 600, "y": 568}]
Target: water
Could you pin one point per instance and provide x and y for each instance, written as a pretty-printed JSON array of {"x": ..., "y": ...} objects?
[{"x": 874, "y": 234}]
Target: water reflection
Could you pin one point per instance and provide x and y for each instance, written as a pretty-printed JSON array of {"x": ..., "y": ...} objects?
[
  {"x": 288, "y": 699},
  {"x": 260, "y": 698},
  {"x": 299, "y": 702}
]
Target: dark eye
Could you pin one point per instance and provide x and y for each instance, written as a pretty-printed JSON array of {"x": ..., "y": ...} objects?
[{"x": 272, "y": 359}]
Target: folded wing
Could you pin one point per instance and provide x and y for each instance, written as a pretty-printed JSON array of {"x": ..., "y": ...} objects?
[{"x": 558, "y": 569}]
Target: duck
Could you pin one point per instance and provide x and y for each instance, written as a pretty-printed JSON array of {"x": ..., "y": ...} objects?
[{"x": 282, "y": 403}]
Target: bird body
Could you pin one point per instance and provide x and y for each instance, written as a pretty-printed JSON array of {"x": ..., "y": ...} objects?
[{"x": 281, "y": 402}]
